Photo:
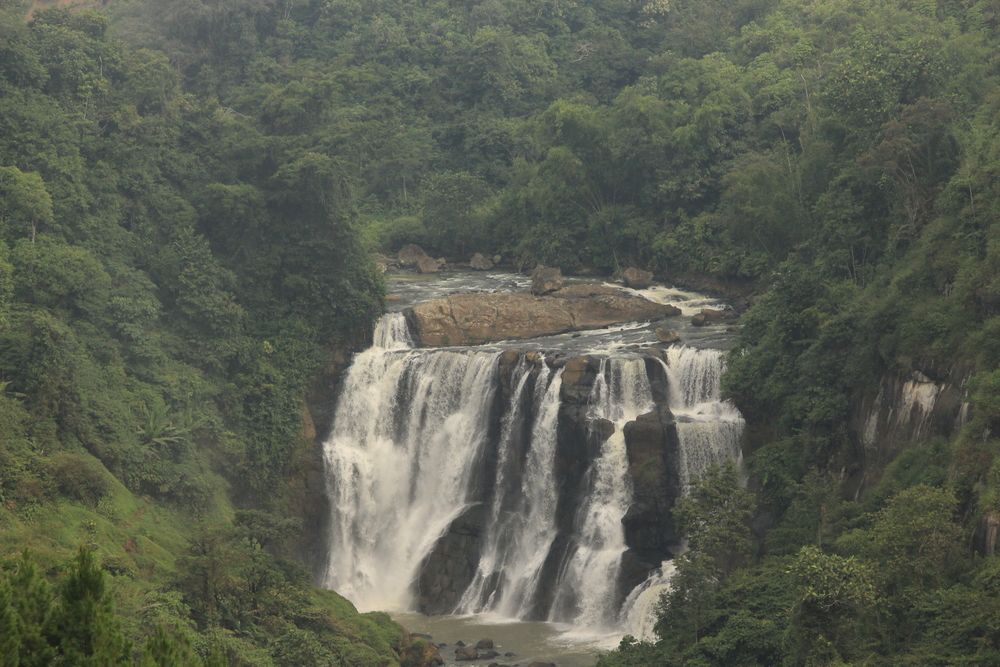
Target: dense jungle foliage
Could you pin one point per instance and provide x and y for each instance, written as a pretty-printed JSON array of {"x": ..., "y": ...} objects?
[{"x": 190, "y": 192}]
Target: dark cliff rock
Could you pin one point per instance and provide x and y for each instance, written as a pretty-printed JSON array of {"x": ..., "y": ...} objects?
[
  {"x": 450, "y": 567},
  {"x": 653, "y": 456}
]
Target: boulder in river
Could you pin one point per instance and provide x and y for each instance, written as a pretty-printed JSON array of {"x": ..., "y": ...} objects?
[
  {"x": 545, "y": 279},
  {"x": 481, "y": 262},
  {"x": 667, "y": 336},
  {"x": 466, "y": 653},
  {"x": 428, "y": 265},
  {"x": 709, "y": 316},
  {"x": 410, "y": 255},
  {"x": 479, "y": 318},
  {"x": 637, "y": 278},
  {"x": 484, "y": 643}
]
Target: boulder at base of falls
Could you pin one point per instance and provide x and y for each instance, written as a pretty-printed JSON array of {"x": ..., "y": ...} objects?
[
  {"x": 637, "y": 278},
  {"x": 484, "y": 644},
  {"x": 479, "y": 318},
  {"x": 545, "y": 279},
  {"x": 480, "y": 262},
  {"x": 410, "y": 255}
]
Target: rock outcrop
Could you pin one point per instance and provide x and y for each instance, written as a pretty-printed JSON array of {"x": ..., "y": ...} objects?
[
  {"x": 654, "y": 461},
  {"x": 479, "y": 318},
  {"x": 545, "y": 279},
  {"x": 637, "y": 278},
  {"x": 451, "y": 565}
]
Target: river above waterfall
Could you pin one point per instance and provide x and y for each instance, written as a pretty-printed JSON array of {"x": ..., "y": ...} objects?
[
  {"x": 408, "y": 289},
  {"x": 522, "y": 491}
]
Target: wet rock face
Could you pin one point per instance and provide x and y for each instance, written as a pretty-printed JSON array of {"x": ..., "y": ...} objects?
[
  {"x": 479, "y": 318},
  {"x": 545, "y": 279},
  {"x": 653, "y": 453},
  {"x": 452, "y": 564}
]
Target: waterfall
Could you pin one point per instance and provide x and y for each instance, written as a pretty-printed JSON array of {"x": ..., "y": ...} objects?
[
  {"x": 641, "y": 607},
  {"x": 587, "y": 590},
  {"x": 520, "y": 537},
  {"x": 708, "y": 428},
  {"x": 420, "y": 439},
  {"x": 408, "y": 429}
]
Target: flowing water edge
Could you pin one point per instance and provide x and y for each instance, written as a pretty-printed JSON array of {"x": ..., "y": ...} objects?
[{"x": 447, "y": 484}]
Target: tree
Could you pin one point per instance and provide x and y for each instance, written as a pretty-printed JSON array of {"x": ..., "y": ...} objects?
[
  {"x": 25, "y": 204},
  {"x": 86, "y": 630}
]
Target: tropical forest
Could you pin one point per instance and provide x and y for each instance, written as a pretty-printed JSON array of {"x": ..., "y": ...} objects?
[{"x": 534, "y": 333}]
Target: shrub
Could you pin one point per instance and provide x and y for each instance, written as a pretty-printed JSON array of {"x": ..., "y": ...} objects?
[{"x": 79, "y": 477}]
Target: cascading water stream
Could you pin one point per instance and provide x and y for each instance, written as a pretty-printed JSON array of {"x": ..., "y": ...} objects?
[
  {"x": 407, "y": 430},
  {"x": 708, "y": 432},
  {"x": 708, "y": 428},
  {"x": 587, "y": 588},
  {"x": 507, "y": 577}
]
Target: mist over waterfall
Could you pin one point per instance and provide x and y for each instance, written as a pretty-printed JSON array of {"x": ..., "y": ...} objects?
[{"x": 503, "y": 480}]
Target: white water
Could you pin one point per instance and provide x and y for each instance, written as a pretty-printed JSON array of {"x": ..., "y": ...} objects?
[
  {"x": 708, "y": 428},
  {"x": 519, "y": 538},
  {"x": 641, "y": 607},
  {"x": 689, "y": 303},
  {"x": 587, "y": 587},
  {"x": 398, "y": 470}
]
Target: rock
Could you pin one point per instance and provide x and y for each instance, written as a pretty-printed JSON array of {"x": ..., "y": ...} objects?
[
  {"x": 709, "y": 316},
  {"x": 653, "y": 452},
  {"x": 428, "y": 265},
  {"x": 422, "y": 654},
  {"x": 667, "y": 336},
  {"x": 484, "y": 643},
  {"x": 466, "y": 653},
  {"x": 637, "y": 278},
  {"x": 459, "y": 643},
  {"x": 482, "y": 317},
  {"x": 409, "y": 255},
  {"x": 545, "y": 279},
  {"x": 509, "y": 654},
  {"x": 542, "y": 664},
  {"x": 480, "y": 262},
  {"x": 488, "y": 654}
]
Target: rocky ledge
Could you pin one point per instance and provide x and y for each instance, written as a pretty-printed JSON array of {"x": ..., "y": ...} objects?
[{"x": 479, "y": 318}]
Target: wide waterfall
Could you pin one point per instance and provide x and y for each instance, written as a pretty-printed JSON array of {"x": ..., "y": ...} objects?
[{"x": 497, "y": 480}]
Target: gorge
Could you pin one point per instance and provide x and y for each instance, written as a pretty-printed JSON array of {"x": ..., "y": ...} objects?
[{"x": 529, "y": 480}]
